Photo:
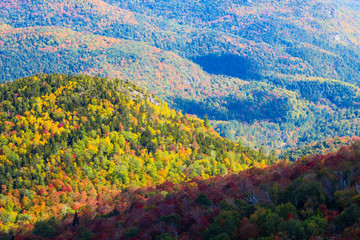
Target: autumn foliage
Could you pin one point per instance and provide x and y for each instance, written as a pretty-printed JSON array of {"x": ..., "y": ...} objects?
[
  {"x": 71, "y": 142},
  {"x": 314, "y": 197}
]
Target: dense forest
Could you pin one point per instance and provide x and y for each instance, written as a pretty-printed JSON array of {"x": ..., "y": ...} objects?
[
  {"x": 313, "y": 198},
  {"x": 321, "y": 147},
  {"x": 67, "y": 140}
]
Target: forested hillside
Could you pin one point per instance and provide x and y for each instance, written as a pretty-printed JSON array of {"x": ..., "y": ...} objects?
[
  {"x": 314, "y": 198},
  {"x": 69, "y": 141},
  {"x": 321, "y": 147},
  {"x": 276, "y": 74}
]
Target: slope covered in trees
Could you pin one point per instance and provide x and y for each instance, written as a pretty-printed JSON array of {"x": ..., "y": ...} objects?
[
  {"x": 305, "y": 54},
  {"x": 58, "y": 49},
  {"x": 321, "y": 147},
  {"x": 67, "y": 141},
  {"x": 305, "y": 37},
  {"x": 313, "y": 198}
]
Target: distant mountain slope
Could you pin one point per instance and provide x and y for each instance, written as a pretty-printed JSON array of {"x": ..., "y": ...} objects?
[
  {"x": 318, "y": 38},
  {"x": 25, "y": 51},
  {"x": 84, "y": 13},
  {"x": 321, "y": 147},
  {"x": 68, "y": 139},
  {"x": 270, "y": 38}
]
